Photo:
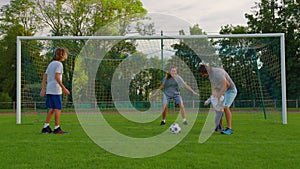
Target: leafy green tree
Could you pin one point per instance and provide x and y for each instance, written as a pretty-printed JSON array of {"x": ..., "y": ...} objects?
[
  {"x": 188, "y": 49},
  {"x": 16, "y": 19},
  {"x": 230, "y": 29},
  {"x": 4, "y": 97},
  {"x": 265, "y": 19},
  {"x": 86, "y": 17},
  {"x": 275, "y": 16},
  {"x": 236, "y": 59},
  {"x": 19, "y": 12},
  {"x": 193, "y": 52},
  {"x": 65, "y": 17},
  {"x": 52, "y": 15},
  {"x": 290, "y": 25},
  {"x": 239, "y": 60},
  {"x": 8, "y": 60}
]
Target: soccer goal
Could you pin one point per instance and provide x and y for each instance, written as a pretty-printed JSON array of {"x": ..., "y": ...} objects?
[{"x": 119, "y": 73}]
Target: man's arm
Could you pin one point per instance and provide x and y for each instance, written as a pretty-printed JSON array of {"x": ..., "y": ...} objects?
[{"x": 225, "y": 86}]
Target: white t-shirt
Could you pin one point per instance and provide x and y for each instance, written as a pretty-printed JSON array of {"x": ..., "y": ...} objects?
[{"x": 52, "y": 85}]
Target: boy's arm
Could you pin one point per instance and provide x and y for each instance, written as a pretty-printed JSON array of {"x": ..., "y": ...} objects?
[
  {"x": 57, "y": 78},
  {"x": 43, "y": 91}
]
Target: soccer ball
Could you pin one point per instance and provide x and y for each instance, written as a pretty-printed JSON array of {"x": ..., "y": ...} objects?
[{"x": 175, "y": 128}]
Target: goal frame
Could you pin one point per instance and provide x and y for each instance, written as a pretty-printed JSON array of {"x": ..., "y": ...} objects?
[{"x": 280, "y": 35}]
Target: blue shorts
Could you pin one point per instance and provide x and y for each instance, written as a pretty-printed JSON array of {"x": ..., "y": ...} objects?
[
  {"x": 53, "y": 101},
  {"x": 229, "y": 97},
  {"x": 177, "y": 99}
]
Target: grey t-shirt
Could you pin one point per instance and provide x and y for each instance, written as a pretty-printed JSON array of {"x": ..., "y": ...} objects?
[
  {"x": 172, "y": 85},
  {"x": 217, "y": 75}
]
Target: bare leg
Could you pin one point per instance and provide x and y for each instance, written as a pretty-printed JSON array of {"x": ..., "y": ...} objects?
[
  {"x": 57, "y": 117},
  {"x": 182, "y": 110},
  {"x": 164, "y": 113},
  {"x": 228, "y": 116},
  {"x": 49, "y": 115},
  {"x": 221, "y": 122}
]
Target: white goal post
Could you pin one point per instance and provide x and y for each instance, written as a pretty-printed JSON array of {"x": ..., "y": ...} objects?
[{"x": 189, "y": 37}]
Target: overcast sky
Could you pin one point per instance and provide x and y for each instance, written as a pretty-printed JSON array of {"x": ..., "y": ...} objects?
[
  {"x": 209, "y": 14},
  {"x": 3, "y": 2}
]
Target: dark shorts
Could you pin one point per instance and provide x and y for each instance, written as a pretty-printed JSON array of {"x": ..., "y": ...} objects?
[{"x": 54, "y": 101}]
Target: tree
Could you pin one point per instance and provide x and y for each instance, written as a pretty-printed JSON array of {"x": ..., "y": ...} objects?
[
  {"x": 8, "y": 60},
  {"x": 19, "y": 12},
  {"x": 16, "y": 19},
  {"x": 195, "y": 52},
  {"x": 239, "y": 59},
  {"x": 265, "y": 19},
  {"x": 86, "y": 17},
  {"x": 230, "y": 29},
  {"x": 52, "y": 15},
  {"x": 273, "y": 16},
  {"x": 188, "y": 49},
  {"x": 61, "y": 18}
]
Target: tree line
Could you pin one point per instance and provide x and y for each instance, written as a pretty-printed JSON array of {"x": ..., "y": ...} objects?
[{"x": 86, "y": 17}]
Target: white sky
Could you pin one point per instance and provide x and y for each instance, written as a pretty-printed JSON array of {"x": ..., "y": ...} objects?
[
  {"x": 3, "y": 2},
  {"x": 209, "y": 14}
]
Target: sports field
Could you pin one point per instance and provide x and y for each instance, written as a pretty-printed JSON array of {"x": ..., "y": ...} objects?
[{"x": 256, "y": 143}]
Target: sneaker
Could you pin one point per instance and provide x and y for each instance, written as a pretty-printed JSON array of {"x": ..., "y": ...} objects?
[
  {"x": 59, "y": 131},
  {"x": 162, "y": 123},
  {"x": 228, "y": 131},
  {"x": 46, "y": 130},
  {"x": 218, "y": 128},
  {"x": 185, "y": 123}
]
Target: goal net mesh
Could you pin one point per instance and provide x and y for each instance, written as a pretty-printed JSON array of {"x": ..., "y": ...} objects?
[{"x": 121, "y": 74}]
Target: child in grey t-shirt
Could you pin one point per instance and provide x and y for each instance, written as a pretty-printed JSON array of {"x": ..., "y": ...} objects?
[{"x": 171, "y": 83}]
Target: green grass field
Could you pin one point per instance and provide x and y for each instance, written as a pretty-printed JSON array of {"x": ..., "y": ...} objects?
[{"x": 256, "y": 143}]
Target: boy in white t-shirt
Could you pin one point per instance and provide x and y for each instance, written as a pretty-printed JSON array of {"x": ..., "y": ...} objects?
[{"x": 53, "y": 87}]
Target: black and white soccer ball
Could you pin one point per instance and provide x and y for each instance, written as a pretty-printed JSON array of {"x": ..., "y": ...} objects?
[{"x": 175, "y": 128}]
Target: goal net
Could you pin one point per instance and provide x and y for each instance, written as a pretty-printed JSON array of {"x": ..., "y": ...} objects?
[{"x": 118, "y": 74}]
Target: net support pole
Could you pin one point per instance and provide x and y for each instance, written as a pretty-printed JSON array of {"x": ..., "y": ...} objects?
[
  {"x": 162, "y": 52},
  {"x": 18, "y": 99},
  {"x": 283, "y": 80},
  {"x": 260, "y": 89}
]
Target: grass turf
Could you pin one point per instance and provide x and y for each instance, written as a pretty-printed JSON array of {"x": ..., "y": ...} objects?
[{"x": 254, "y": 144}]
